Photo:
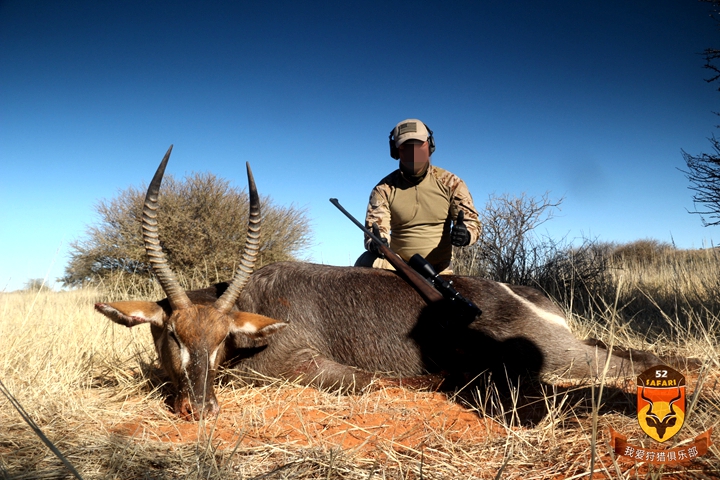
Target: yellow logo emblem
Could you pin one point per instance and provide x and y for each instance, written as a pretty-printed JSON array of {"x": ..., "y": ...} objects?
[{"x": 661, "y": 402}]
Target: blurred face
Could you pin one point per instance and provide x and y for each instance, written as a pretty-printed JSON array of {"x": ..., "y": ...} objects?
[{"x": 414, "y": 157}]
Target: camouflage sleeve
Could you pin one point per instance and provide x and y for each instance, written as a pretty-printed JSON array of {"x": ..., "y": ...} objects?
[
  {"x": 378, "y": 211},
  {"x": 462, "y": 200}
]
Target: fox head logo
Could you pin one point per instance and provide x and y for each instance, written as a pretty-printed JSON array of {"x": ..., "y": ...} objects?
[{"x": 661, "y": 402}]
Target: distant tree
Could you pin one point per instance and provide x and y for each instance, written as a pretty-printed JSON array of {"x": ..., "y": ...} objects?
[
  {"x": 34, "y": 285},
  {"x": 510, "y": 250},
  {"x": 507, "y": 250},
  {"x": 703, "y": 170},
  {"x": 203, "y": 224},
  {"x": 704, "y": 175}
]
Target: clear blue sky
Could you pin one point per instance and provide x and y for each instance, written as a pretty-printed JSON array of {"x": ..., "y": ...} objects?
[{"x": 592, "y": 101}]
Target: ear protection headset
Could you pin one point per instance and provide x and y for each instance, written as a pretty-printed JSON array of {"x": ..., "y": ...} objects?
[{"x": 395, "y": 152}]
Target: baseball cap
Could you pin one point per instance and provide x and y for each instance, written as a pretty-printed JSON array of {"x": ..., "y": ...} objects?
[{"x": 410, "y": 129}]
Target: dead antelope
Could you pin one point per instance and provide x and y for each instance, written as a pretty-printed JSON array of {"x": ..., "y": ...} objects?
[{"x": 343, "y": 327}]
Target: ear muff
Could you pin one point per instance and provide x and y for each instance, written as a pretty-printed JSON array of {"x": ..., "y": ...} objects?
[
  {"x": 395, "y": 153},
  {"x": 431, "y": 139}
]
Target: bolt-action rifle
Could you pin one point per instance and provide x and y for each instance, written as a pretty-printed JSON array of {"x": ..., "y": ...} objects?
[
  {"x": 419, "y": 273},
  {"x": 423, "y": 267}
]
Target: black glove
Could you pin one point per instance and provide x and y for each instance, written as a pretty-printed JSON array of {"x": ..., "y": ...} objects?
[
  {"x": 373, "y": 247},
  {"x": 459, "y": 235}
]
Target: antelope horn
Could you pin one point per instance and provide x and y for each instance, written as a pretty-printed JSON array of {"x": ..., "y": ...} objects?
[
  {"x": 170, "y": 285},
  {"x": 679, "y": 396},
  {"x": 249, "y": 256}
]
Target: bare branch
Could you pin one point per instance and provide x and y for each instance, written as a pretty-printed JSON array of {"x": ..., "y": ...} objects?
[{"x": 703, "y": 172}]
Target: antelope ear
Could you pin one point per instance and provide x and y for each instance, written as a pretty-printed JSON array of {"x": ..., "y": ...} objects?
[
  {"x": 133, "y": 313},
  {"x": 255, "y": 326}
]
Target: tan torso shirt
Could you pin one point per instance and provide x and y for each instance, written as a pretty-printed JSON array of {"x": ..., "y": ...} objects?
[{"x": 417, "y": 218}]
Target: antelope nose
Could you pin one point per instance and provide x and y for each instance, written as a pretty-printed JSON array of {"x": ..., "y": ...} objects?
[
  {"x": 188, "y": 410},
  {"x": 212, "y": 408},
  {"x": 184, "y": 408}
]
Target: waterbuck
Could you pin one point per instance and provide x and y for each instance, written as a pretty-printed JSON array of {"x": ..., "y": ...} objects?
[{"x": 345, "y": 327}]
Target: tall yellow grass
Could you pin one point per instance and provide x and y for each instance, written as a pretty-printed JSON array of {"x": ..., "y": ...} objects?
[
  {"x": 672, "y": 279},
  {"x": 81, "y": 378}
]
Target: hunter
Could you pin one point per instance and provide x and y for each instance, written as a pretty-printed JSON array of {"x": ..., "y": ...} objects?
[{"x": 419, "y": 208}]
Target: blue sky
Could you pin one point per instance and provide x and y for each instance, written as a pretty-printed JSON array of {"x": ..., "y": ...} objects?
[{"x": 591, "y": 101}]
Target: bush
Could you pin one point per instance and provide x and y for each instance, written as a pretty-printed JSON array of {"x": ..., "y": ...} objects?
[
  {"x": 576, "y": 276},
  {"x": 650, "y": 284},
  {"x": 643, "y": 251},
  {"x": 202, "y": 227},
  {"x": 34, "y": 285},
  {"x": 508, "y": 249}
]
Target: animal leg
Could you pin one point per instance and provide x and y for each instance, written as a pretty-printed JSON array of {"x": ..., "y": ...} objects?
[
  {"x": 311, "y": 368},
  {"x": 587, "y": 359},
  {"x": 420, "y": 382}
]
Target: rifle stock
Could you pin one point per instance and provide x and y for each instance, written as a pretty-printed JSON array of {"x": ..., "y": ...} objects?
[{"x": 422, "y": 286}]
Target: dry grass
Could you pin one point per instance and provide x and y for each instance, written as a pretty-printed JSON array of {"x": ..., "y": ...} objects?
[
  {"x": 668, "y": 287},
  {"x": 94, "y": 390}
]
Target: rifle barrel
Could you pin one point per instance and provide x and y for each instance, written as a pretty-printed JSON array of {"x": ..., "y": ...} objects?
[{"x": 362, "y": 227}]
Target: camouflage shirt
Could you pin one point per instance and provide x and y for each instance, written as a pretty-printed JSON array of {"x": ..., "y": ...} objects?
[{"x": 416, "y": 218}]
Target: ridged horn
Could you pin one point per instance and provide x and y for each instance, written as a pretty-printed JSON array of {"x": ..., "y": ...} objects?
[
  {"x": 170, "y": 285},
  {"x": 249, "y": 256}
]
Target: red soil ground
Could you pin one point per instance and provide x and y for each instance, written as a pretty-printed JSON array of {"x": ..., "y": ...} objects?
[
  {"x": 294, "y": 417},
  {"x": 368, "y": 425}
]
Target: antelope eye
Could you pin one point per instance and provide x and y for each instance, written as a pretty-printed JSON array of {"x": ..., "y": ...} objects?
[{"x": 171, "y": 334}]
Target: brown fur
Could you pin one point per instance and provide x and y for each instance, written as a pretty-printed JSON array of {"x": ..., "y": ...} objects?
[{"x": 348, "y": 326}]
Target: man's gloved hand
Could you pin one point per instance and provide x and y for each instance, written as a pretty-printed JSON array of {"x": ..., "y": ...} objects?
[
  {"x": 373, "y": 247},
  {"x": 459, "y": 235}
]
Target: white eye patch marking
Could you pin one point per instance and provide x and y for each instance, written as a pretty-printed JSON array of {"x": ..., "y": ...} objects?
[
  {"x": 213, "y": 355},
  {"x": 544, "y": 314},
  {"x": 184, "y": 353},
  {"x": 184, "y": 356}
]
